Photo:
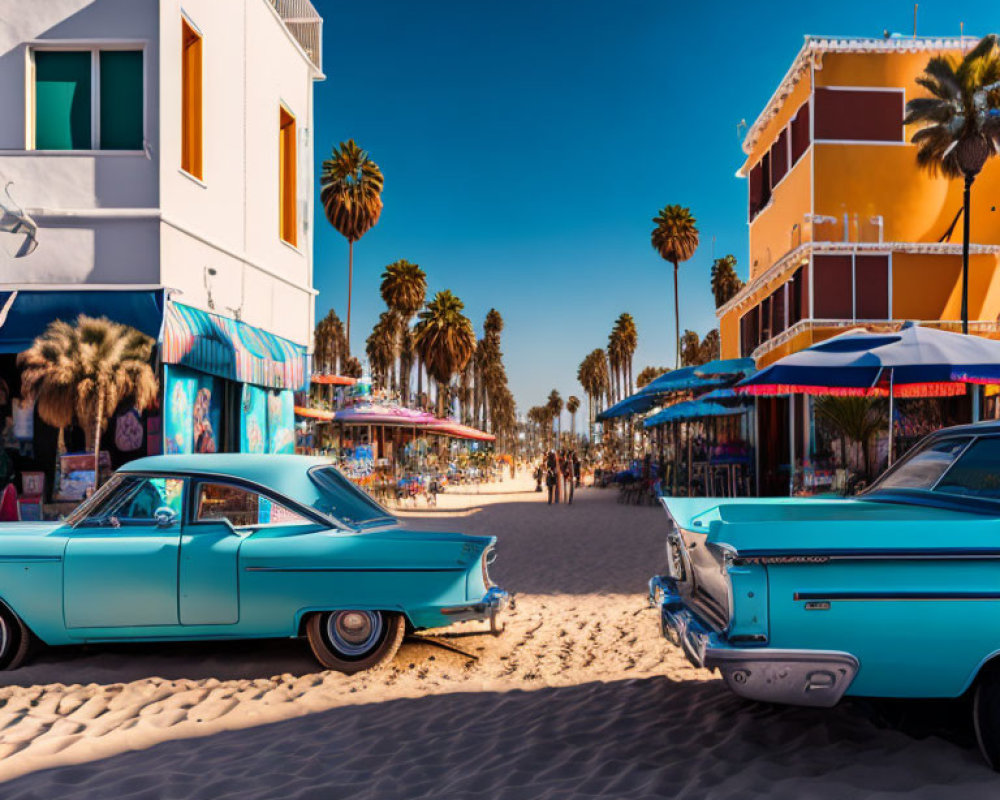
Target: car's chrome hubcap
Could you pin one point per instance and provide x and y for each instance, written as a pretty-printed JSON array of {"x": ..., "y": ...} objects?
[{"x": 354, "y": 632}]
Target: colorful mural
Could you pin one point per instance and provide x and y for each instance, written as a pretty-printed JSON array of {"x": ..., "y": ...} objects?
[{"x": 193, "y": 417}]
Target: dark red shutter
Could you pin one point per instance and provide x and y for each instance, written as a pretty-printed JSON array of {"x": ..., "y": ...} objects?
[
  {"x": 871, "y": 276},
  {"x": 859, "y": 115},
  {"x": 755, "y": 191},
  {"x": 833, "y": 296},
  {"x": 800, "y": 132},
  {"x": 779, "y": 157}
]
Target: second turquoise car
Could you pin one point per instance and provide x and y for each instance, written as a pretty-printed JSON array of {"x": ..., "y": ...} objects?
[
  {"x": 895, "y": 593},
  {"x": 237, "y": 547}
]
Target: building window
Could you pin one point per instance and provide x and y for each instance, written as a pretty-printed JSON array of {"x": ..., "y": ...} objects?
[
  {"x": 871, "y": 281},
  {"x": 833, "y": 287},
  {"x": 64, "y": 98},
  {"x": 779, "y": 158},
  {"x": 191, "y": 112},
  {"x": 862, "y": 115},
  {"x": 287, "y": 222},
  {"x": 800, "y": 133}
]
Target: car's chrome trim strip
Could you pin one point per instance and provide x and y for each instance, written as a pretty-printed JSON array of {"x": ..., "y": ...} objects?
[
  {"x": 865, "y": 554},
  {"x": 13, "y": 559},
  {"x": 355, "y": 569},
  {"x": 897, "y": 595}
]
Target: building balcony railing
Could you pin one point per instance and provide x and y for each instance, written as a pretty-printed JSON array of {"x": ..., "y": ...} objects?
[
  {"x": 826, "y": 328},
  {"x": 305, "y": 24}
]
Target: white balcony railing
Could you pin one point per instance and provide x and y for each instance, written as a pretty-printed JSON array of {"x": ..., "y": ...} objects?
[{"x": 305, "y": 24}]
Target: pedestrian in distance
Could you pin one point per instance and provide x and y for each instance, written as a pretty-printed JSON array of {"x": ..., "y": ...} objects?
[
  {"x": 552, "y": 475},
  {"x": 569, "y": 477}
]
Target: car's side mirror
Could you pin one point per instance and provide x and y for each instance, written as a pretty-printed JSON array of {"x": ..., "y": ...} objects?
[{"x": 165, "y": 517}]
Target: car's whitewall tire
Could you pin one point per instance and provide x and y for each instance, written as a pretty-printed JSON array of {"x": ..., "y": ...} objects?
[{"x": 352, "y": 641}]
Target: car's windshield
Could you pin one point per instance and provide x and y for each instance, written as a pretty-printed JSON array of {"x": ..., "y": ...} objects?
[
  {"x": 960, "y": 465},
  {"x": 341, "y": 499}
]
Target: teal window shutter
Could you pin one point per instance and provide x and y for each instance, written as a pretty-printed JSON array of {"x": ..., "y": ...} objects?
[
  {"x": 62, "y": 100},
  {"x": 121, "y": 100}
]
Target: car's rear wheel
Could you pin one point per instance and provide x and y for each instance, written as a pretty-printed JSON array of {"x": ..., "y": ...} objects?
[
  {"x": 15, "y": 639},
  {"x": 353, "y": 641},
  {"x": 986, "y": 715}
]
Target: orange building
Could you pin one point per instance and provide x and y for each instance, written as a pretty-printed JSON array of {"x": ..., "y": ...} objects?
[{"x": 844, "y": 229}]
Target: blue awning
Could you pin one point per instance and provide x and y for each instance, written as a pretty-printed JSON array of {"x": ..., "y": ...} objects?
[
  {"x": 692, "y": 409},
  {"x": 633, "y": 404},
  {"x": 25, "y": 313},
  {"x": 726, "y": 368},
  {"x": 685, "y": 379},
  {"x": 232, "y": 349}
]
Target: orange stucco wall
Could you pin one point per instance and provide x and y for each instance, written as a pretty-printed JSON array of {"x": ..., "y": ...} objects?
[
  {"x": 928, "y": 287},
  {"x": 773, "y": 232},
  {"x": 883, "y": 179}
]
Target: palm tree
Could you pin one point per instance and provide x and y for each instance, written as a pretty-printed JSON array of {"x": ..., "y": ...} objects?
[
  {"x": 330, "y": 344},
  {"x": 615, "y": 363},
  {"x": 629, "y": 340},
  {"x": 84, "y": 371},
  {"x": 352, "y": 200},
  {"x": 961, "y": 126},
  {"x": 572, "y": 406},
  {"x": 649, "y": 374},
  {"x": 593, "y": 377},
  {"x": 444, "y": 339},
  {"x": 854, "y": 418},
  {"x": 404, "y": 290},
  {"x": 675, "y": 238},
  {"x": 555, "y": 407},
  {"x": 726, "y": 284},
  {"x": 381, "y": 348}
]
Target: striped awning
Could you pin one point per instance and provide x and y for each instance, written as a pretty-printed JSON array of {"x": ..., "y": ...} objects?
[{"x": 229, "y": 348}]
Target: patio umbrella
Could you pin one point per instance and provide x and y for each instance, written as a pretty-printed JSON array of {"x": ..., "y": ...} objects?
[
  {"x": 912, "y": 362},
  {"x": 692, "y": 409}
]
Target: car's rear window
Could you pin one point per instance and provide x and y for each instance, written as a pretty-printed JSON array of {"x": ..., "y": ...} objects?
[
  {"x": 341, "y": 499},
  {"x": 976, "y": 473},
  {"x": 924, "y": 468}
]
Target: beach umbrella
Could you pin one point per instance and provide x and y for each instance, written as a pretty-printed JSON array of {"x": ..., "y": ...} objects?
[
  {"x": 912, "y": 362},
  {"x": 731, "y": 368}
]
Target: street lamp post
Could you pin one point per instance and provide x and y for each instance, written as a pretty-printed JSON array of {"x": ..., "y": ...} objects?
[{"x": 971, "y": 152}]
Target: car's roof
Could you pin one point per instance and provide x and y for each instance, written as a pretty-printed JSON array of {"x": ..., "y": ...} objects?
[
  {"x": 978, "y": 428},
  {"x": 286, "y": 474}
]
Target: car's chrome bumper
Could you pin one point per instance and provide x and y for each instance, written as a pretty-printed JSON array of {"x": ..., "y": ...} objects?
[
  {"x": 795, "y": 677},
  {"x": 492, "y": 603}
]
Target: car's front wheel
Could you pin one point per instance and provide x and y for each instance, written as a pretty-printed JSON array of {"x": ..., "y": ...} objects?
[
  {"x": 14, "y": 639},
  {"x": 353, "y": 641}
]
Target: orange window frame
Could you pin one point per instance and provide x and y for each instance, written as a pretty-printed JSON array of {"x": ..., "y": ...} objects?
[
  {"x": 191, "y": 101},
  {"x": 287, "y": 217}
]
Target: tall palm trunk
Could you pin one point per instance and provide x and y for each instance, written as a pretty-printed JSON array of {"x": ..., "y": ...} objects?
[
  {"x": 677, "y": 320},
  {"x": 97, "y": 436},
  {"x": 350, "y": 287}
]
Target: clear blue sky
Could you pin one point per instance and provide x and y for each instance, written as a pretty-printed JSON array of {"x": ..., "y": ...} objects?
[{"x": 527, "y": 144}]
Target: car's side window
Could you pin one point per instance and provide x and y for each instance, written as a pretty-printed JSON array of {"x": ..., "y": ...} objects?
[
  {"x": 242, "y": 507},
  {"x": 136, "y": 501}
]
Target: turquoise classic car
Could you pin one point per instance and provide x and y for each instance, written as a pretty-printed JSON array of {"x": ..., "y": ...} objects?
[
  {"x": 894, "y": 593},
  {"x": 237, "y": 547}
]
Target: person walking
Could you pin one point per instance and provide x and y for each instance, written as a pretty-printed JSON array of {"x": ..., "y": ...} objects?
[
  {"x": 569, "y": 475},
  {"x": 576, "y": 468},
  {"x": 552, "y": 476}
]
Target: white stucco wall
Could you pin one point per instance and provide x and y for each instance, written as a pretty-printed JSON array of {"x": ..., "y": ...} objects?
[
  {"x": 229, "y": 219},
  {"x": 135, "y": 218},
  {"x": 60, "y": 189}
]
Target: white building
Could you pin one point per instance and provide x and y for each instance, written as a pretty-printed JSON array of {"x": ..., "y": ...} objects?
[{"x": 165, "y": 150}]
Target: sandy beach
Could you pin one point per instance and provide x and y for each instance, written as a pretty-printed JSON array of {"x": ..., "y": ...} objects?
[{"x": 579, "y": 697}]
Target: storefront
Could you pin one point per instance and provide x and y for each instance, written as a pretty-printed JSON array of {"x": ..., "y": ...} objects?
[{"x": 225, "y": 386}]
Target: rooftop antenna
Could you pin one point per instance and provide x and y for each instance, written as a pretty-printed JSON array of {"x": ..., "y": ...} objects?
[
  {"x": 740, "y": 127},
  {"x": 915, "y": 7}
]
